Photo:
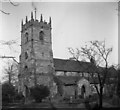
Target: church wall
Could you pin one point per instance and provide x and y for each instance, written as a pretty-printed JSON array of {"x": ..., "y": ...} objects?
[{"x": 69, "y": 91}]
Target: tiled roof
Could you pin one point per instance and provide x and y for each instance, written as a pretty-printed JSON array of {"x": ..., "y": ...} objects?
[{"x": 73, "y": 66}]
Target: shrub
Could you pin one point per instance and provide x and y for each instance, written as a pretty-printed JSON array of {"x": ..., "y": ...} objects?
[
  {"x": 39, "y": 92},
  {"x": 19, "y": 96},
  {"x": 115, "y": 100},
  {"x": 118, "y": 89},
  {"x": 93, "y": 97},
  {"x": 8, "y": 93},
  {"x": 118, "y": 84}
]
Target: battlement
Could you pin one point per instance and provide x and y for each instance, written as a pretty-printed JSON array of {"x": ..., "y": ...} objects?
[{"x": 36, "y": 23}]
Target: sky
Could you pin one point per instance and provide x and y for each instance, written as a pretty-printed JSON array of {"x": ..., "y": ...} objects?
[{"x": 73, "y": 24}]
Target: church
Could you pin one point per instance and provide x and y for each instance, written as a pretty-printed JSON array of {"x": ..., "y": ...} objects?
[{"x": 37, "y": 65}]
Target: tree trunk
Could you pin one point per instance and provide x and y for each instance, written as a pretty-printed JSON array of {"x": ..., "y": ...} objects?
[
  {"x": 9, "y": 75},
  {"x": 101, "y": 98}
]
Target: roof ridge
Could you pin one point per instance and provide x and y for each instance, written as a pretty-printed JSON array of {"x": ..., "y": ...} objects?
[{"x": 71, "y": 60}]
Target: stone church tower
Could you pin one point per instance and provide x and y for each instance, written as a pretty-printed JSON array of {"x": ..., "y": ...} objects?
[{"x": 36, "y": 59}]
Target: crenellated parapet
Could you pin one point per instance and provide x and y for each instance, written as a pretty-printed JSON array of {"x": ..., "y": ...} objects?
[{"x": 35, "y": 23}]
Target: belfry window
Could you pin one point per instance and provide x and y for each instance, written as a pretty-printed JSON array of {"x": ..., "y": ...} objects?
[
  {"x": 26, "y": 37},
  {"x": 41, "y": 36},
  {"x": 26, "y": 55}
]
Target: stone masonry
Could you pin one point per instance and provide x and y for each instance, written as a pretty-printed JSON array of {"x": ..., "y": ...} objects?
[{"x": 36, "y": 59}]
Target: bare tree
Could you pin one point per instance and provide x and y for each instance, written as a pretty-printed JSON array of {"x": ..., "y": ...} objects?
[
  {"x": 97, "y": 53},
  {"x": 11, "y": 72}
]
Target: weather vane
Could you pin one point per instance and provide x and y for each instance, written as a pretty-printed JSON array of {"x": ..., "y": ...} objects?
[
  {"x": 35, "y": 13},
  {"x": 35, "y": 9}
]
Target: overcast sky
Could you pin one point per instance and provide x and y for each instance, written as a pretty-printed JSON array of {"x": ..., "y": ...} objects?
[{"x": 73, "y": 24}]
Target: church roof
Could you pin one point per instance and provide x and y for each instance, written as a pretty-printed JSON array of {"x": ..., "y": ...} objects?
[
  {"x": 73, "y": 66},
  {"x": 79, "y": 66}
]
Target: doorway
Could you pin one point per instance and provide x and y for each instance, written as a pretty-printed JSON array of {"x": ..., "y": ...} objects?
[{"x": 83, "y": 91}]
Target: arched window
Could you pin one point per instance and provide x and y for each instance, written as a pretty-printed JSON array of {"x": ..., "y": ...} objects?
[
  {"x": 26, "y": 37},
  {"x": 26, "y": 55},
  {"x": 41, "y": 36}
]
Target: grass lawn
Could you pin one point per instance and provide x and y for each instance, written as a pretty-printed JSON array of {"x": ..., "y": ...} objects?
[
  {"x": 107, "y": 103},
  {"x": 58, "y": 106}
]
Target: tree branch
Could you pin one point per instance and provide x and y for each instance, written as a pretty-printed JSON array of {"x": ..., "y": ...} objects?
[
  {"x": 13, "y": 3},
  {"x": 4, "y": 12}
]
